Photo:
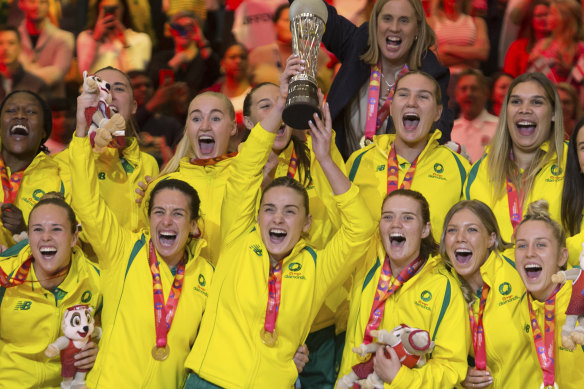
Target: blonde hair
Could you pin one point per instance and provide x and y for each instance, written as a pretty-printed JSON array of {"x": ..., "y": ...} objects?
[
  {"x": 489, "y": 222},
  {"x": 539, "y": 211},
  {"x": 500, "y": 165},
  {"x": 184, "y": 148},
  {"x": 426, "y": 37}
]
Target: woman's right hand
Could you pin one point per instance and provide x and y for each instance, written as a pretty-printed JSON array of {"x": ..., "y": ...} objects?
[
  {"x": 294, "y": 65},
  {"x": 476, "y": 378}
]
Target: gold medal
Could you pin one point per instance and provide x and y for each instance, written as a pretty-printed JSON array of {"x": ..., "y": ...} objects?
[
  {"x": 554, "y": 386},
  {"x": 364, "y": 142},
  {"x": 269, "y": 338},
  {"x": 160, "y": 353}
]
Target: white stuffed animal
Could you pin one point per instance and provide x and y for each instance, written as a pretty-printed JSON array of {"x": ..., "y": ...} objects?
[
  {"x": 78, "y": 327},
  {"x": 410, "y": 344},
  {"x": 104, "y": 121}
]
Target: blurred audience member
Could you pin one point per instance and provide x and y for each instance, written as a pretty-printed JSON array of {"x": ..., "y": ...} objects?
[
  {"x": 570, "y": 107},
  {"x": 63, "y": 125},
  {"x": 12, "y": 74},
  {"x": 462, "y": 39},
  {"x": 268, "y": 61},
  {"x": 475, "y": 127},
  {"x": 47, "y": 51},
  {"x": 253, "y": 21},
  {"x": 499, "y": 84},
  {"x": 534, "y": 29},
  {"x": 235, "y": 84},
  {"x": 191, "y": 60},
  {"x": 158, "y": 130},
  {"x": 111, "y": 41},
  {"x": 561, "y": 56}
]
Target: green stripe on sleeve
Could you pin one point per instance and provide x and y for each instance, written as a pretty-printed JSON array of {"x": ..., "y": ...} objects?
[
  {"x": 356, "y": 164},
  {"x": 472, "y": 175},
  {"x": 445, "y": 304},
  {"x": 371, "y": 273}
]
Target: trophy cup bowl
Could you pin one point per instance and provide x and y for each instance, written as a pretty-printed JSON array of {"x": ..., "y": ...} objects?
[{"x": 307, "y": 23}]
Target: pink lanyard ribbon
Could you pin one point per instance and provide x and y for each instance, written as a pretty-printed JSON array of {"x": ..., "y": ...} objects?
[
  {"x": 393, "y": 172},
  {"x": 384, "y": 290},
  {"x": 21, "y": 274},
  {"x": 375, "y": 118},
  {"x": 164, "y": 314},
  {"x": 478, "y": 331},
  {"x": 545, "y": 344},
  {"x": 274, "y": 294},
  {"x": 293, "y": 165}
]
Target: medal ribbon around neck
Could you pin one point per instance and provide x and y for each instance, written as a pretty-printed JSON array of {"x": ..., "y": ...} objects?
[
  {"x": 478, "y": 331},
  {"x": 374, "y": 118},
  {"x": 274, "y": 295},
  {"x": 211, "y": 161},
  {"x": 384, "y": 290},
  {"x": 20, "y": 276},
  {"x": 293, "y": 165},
  {"x": 545, "y": 344},
  {"x": 164, "y": 314},
  {"x": 393, "y": 172},
  {"x": 10, "y": 185},
  {"x": 515, "y": 199}
]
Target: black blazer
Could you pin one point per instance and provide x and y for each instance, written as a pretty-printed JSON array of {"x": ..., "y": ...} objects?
[{"x": 348, "y": 42}]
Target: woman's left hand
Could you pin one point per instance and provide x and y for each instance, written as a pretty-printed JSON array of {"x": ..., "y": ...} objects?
[
  {"x": 321, "y": 132},
  {"x": 386, "y": 367},
  {"x": 85, "y": 358}
]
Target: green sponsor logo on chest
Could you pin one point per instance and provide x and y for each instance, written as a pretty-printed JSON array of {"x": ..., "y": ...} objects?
[
  {"x": 23, "y": 305},
  {"x": 256, "y": 249}
]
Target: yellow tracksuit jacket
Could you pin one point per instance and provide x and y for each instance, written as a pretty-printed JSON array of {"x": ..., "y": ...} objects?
[
  {"x": 209, "y": 182},
  {"x": 229, "y": 351},
  {"x": 507, "y": 348},
  {"x": 31, "y": 317},
  {"x": 431, "y": 300},
  {"x": 40, "y": 177},
  {"x": 325, "y": 223},
  {"x": 548, "y": 185},
  {"x": 569, "y": 364},
  {"x": 118, "y": 177},
  {"x": 125, "y": 359},
  {"x": 440, "y": 176}
]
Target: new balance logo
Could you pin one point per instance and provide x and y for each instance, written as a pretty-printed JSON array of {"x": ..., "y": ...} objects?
[{"x": 23, "y": 305}]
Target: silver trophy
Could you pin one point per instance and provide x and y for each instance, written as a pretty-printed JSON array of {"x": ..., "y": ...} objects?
[{"x": 307, "y": 23}]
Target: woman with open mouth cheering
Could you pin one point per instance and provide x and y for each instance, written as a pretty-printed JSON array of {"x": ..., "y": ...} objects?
[
  {"x": 157, "y": 280},
  {"x": 526, "y": 158},
  {"x": 202, "y": 160},
  {"x": 39, "y": 281},
  {"x": 472, "y": 248},
  {"x": 269, "y": 283},
  {"x": 412, "y": 158},
  {"x": 397, "y": 39},
  {"x": 399, "y": 282},
  {"x": 540, "y": 252},
  {"x": 26, "y": 170}
]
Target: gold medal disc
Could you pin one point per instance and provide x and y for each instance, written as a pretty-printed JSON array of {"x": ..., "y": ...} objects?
[
  {"x": 269, "y": 338},
  {"x": 364, "y": 142},
  {"x": 160, "y": 353},
  {"x": 554, "y": 386}
]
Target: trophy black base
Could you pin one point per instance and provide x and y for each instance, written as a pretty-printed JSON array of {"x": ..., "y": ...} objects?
[{"x": 301, "y": 104}]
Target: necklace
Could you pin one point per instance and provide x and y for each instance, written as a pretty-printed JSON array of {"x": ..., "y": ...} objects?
[{"x": 387, "y": 83}]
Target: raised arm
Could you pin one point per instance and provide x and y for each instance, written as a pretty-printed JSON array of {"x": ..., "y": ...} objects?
[
  {"x": 357, "y": 226},
  {"x": 239, "y": 208},
  {"x": 100, "y": 226}
]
